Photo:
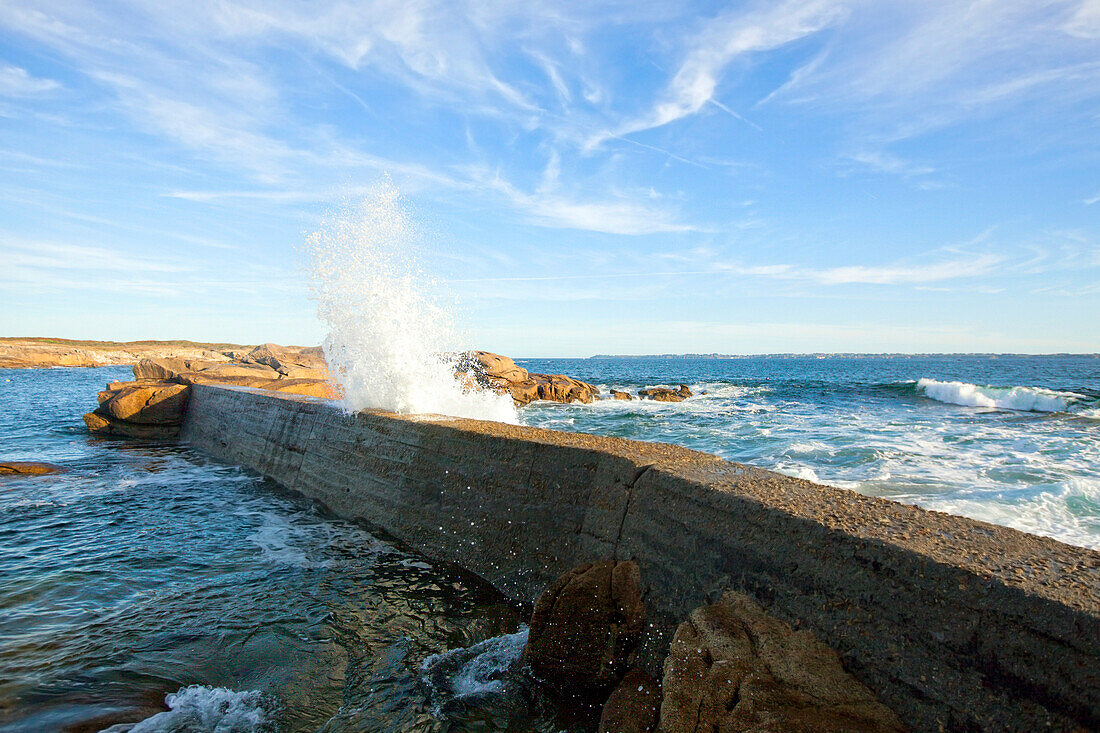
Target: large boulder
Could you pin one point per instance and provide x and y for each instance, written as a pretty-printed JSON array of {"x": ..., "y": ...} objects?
[
  {"x": 732, "y": 667},
  {"x": 492, "y": 366},
  {"x": 620, "y": 395},
  {"x": 146, "y": 403},
  {"x": 634, "y": 706},
  {"x": 586, "y": 624}
]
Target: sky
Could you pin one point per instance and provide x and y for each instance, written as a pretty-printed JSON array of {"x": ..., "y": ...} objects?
[{"x": 585, "y": 177}]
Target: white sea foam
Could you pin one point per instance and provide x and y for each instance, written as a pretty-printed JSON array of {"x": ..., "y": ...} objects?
[
  {"x": 387, "y": 335},
  {"x": 475, "y": 670},
  {"x": 1028, "y": 399},
  {"x": 207, "y": 709}
]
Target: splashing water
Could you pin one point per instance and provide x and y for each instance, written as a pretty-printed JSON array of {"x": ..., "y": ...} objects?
[{"x": 388, "y": 339}]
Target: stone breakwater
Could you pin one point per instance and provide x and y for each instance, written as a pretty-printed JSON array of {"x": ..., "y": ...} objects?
[{"x": 952, "y": 623}]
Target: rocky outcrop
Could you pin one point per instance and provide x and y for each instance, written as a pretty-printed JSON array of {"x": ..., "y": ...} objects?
[
  {"x": 586, "y": 624},
  {"x": 664, "y": 394},
  {"x": 619, "y": 395},
  {"x": 734, "y": 668},
  {"x": 634, "y": 706},
  {"x": 493, "y": 371},
  {"x": 152, "y": 406},
  {"x": 28, "y": 468}
]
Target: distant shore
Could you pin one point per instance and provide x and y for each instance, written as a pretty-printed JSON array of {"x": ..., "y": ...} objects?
[{"x": 40, "y": 352}]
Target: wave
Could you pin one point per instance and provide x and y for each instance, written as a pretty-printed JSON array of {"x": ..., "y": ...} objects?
[
  {"x": 387, "y": 336},
  {"x": 1025, "y": 399},
  {"x": 198, "y": 708},
  {"x": 476, "y": 670}
]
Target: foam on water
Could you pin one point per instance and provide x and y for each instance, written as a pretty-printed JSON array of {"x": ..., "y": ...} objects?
[
  {"x": 1028, "y": 399},
  {"x": 207, "y": 709},
  {"x": 388, "y": 338},
  {"x": 475, "y": 670}
]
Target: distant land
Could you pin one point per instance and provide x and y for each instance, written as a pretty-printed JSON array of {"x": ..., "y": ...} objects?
[{"x": 842, "y": 355}]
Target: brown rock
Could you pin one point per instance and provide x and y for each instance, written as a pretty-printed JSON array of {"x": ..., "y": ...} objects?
[
  {"x": 734, "y": 668},
  {"x": 634, "y": 706},
  {"x": 492, "y": 366},
  {"x": 585, "y": 625},
  {"x": 618, "y": 395},
  {"x": 101, "y": 424},
  {"x": 157, "y": 403},
  {"x": 663, "y": 394},
  {"x": 684, "y": 391},
  {"x": 309, "y": 387},
  {"x": 27, "y": 468},
  {"x": 286, "y": 359}
]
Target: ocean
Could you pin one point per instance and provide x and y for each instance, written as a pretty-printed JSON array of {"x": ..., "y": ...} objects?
[
  {"x": 147, "y": 573},
  {"x": 1005, "y": 439},
  {"x": 147, "y": 576}
]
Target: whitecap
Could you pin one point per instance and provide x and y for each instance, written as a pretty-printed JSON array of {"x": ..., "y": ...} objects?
[
  {"x": 1026, "y": 399},
  {"x": 476, "y": 670}
]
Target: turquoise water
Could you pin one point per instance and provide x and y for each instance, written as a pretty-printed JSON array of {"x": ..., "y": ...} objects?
[
  {"x": 1010, "y": 440},
  {"x": 146, "y": 570}
]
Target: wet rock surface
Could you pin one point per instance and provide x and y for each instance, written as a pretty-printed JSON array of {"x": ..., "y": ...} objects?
[
  {"x": 665, "y": 394},
  {"x": 619, "y": 395},
  {"x": 732, "y": 667},
  {"x": 586, "y": 624}
]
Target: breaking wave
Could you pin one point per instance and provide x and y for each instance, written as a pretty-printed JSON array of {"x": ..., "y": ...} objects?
[
  {"x": 1026, "y": 399},
  {"x": 198, "y": 708},
  {"x": 476, "y": 670},
  {"x": 388, "y": 338}
]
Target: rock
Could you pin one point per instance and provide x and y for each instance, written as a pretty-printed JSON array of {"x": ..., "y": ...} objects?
[
  {"x": 156, "y": 403},
  {"x": 634, "y": 706},
  {"x": 734, "y": 668},
  {"x": 585, "y": 625},
  {"x": 285, "y": 359},
  {"x": 101, "y": 424},
  {"x": 617, "y": 395},
  {"x": 663, "y": 394},
  {"x": 27, "y": 468},
  {"x": 684, "y": 391},
  {"x": 492, "y": 366},
  {"x": 309, "y": 387},
  {"x": 493, "y": 371}
]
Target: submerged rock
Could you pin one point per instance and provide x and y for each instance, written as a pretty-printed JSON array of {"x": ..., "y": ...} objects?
[
  {"x": 664, "y": 394},
  {"x": 101, "y": 424},
  {"x": 28, "y": 468},
  {"x": 732, "y": 667},
  {"x": 586, "y": 624}
]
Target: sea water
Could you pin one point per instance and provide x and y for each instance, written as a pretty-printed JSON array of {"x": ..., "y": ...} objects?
[
  {"x": 148, "y": 588},
  {"x": 1012, "y": 440}
]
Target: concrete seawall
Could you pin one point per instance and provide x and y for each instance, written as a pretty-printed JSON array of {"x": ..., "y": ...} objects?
[{"x": 955, "y": 624}]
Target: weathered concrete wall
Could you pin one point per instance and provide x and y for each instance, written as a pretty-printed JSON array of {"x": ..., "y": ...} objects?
[{"x": 952, "y": 622}]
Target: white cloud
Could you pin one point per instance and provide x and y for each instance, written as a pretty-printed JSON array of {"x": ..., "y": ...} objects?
[
  {"x": 17, "y": 82},
  {"x": 727, "y": 37}
]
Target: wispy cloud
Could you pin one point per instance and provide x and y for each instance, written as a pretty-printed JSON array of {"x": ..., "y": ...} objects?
[
  {"x": 725, "y": 38},
  {"x": 17, "y": 82},
  {"x": 550, "y": 207}
]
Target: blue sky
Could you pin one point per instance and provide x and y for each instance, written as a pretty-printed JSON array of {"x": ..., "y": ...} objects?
[{"x": 809, "y": 175}]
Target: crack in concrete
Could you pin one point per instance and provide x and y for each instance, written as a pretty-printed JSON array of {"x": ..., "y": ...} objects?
[{"x": 642, "y": 470}]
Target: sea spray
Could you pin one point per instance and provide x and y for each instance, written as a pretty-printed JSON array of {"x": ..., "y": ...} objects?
[{"x": 388, "y": 339}]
